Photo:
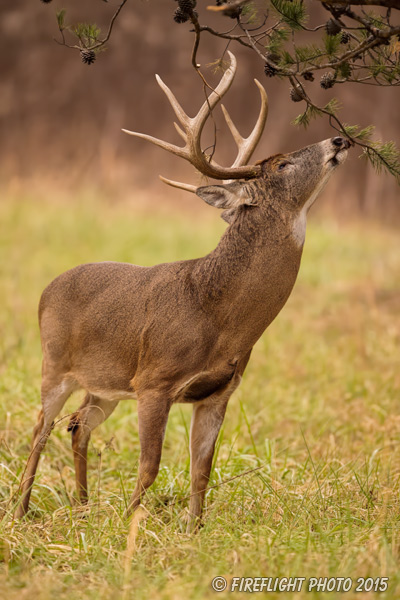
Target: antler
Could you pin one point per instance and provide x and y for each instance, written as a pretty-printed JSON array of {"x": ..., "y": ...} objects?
[{"x": 192, "y": 128}]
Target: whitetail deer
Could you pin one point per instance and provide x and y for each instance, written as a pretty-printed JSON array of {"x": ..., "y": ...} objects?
[{"x": 183, "y": 331}]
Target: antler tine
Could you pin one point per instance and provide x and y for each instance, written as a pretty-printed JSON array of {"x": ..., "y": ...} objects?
[
  {"x": 178, "y": 110},
  {"x": 181, "y": 115},
  {"x": 232, "y": 127},
  {"x": 177, "y": 184},
  {"x": 181, "y": 132},
  {"x": 182, "y": 152},
  {"x": 217, "y": 94},
  {"x": 246, "y": 146}
]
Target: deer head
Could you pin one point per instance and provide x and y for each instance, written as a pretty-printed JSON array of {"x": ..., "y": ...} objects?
[{"x": 291, "y": 180}]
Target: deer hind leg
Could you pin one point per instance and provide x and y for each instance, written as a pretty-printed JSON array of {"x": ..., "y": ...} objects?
[
  {"x": 92, "y": 412},
  {"x": 54, "y": 396},
  {"x": 153, "y": 414},
  {"x": 206, "y": 422}
]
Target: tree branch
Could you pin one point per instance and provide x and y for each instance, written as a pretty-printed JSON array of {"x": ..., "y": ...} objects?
[{"x": 384, "y": 3}]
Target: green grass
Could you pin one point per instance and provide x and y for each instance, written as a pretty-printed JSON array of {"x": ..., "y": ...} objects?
[{"x": 318, "y": 409}]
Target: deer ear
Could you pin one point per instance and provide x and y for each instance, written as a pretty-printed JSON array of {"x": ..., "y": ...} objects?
[{"x": 230, "y": 195}]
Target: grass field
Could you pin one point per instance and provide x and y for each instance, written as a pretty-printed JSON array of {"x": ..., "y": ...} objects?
[{"x": 318, "y": 409}]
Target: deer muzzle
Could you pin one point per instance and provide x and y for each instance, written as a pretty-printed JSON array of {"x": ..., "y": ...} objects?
[{"x": 337, "y": 152}]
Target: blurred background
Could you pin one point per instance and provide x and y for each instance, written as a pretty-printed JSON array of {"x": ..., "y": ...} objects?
[
  {"x": 61, "y": 120},
  {"x": 319, "y": 402}
]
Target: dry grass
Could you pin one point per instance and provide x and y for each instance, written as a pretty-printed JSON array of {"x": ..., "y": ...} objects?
[{"x": 318, "y": 409}]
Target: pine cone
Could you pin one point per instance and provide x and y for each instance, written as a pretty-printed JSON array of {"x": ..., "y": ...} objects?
[
  {"x": 88, "y": 56},
  {"x": 345, "y": 38},
  {"x": 308, "y": 76},
  {"x": 327, "y": 81},
  {"x": 234, "y": 13},
  {"x": 333, "y": 27},
  {"x": 296, "y": 94},
  {"x": 269, "y": 70},
  {"x": 186, "y": 6},
  {"x": 180, "y": 16}
]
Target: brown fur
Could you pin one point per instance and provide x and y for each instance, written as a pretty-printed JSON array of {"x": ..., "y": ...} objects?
[{"x": 175, "y": 332}]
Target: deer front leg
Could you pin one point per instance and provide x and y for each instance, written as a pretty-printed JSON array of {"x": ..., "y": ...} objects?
[
  {"x": 207, "y": 419},
  {"x": 153, "y": 414}
]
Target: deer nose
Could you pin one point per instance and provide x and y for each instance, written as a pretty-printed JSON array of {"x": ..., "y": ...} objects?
[{"x": 340, "y": 142}]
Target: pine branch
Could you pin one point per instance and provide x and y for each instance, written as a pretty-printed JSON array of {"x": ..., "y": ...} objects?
[
  {"x": 384, "y": 3},
  {"x": 87, "y": 34},
  {"x": 356, "y": 47}
]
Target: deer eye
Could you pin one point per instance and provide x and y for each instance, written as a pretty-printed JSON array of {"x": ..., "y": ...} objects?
[{"x": 283, "y": 165}]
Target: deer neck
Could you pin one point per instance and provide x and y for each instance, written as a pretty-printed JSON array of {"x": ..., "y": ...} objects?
[{"x": 250, "y": 274}]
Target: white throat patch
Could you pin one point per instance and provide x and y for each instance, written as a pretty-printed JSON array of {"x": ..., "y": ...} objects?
[{"x": 300, "y": 221}]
